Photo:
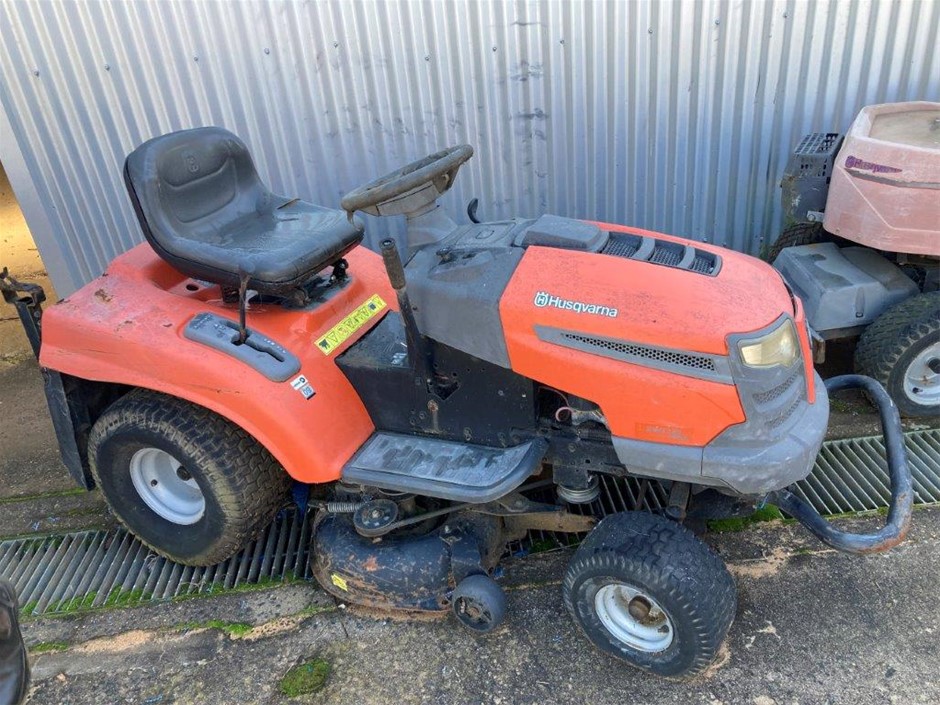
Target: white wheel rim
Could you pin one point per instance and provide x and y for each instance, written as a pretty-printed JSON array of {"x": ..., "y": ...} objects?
[
  {"x": 166, "y": 487},
  {"x": 922, "y": 377},
  {"x": 650, "y": 634}
]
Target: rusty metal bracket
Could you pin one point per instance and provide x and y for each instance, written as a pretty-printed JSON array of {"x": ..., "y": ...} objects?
[
  {"x": 561, "y": 521},
  {"x": 521, "y": 514},
  {"x": 27, "y": 299}
]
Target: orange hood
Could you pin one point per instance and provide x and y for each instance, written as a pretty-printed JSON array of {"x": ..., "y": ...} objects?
[{"x": 654, "y": 304}]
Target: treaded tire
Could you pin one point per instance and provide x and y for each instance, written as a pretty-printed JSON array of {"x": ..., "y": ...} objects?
[
  {"x": 666, "y": 561},
  {"x": 243, "y": 486},
  {"x": 892, "y": 342},
  {"x": 798, "y": 234}
]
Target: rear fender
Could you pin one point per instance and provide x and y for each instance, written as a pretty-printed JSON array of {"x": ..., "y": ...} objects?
[{"x": 127, "y": 327}]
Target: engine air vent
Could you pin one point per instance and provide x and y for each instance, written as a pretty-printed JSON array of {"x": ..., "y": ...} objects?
[
  {"x": 692, "y": 364},
  {"x": 662, "y": 252},
  {"x": 669, "y": 357}
]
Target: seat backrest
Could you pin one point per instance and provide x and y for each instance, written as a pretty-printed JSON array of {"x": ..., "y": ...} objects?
[{"x": 189, "y": 183}]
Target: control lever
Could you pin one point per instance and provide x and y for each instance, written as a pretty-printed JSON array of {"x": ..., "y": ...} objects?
[
  {"x": 244, "y": 274},
  {"x": 418, "y": 350},
  {"x": 472, "y": 210}
]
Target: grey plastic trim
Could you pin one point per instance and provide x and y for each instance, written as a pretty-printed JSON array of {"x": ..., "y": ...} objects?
[
  {"x": 460, "y": 472},
  {"x": 563, "y": 233},
  {"x": 762, "y": 464},
  {"x": 720, "y": 372},
  {"x": 687, "y": 258},
  {"x": 258, "y": 351},
  {"x": 645, "y": 250},
  {"x": 751, "y": 467},
  {"x": 664, "y": 461}
]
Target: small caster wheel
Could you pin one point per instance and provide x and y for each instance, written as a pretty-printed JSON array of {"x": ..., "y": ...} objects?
[
  {"x": 375, "y": 518},
  {"x": 479, "y": 603}
]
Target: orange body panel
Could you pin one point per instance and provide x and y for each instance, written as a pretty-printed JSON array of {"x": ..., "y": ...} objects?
[
  {"x": 127, "y": 327},
  {"x": 656, "y": 305}
]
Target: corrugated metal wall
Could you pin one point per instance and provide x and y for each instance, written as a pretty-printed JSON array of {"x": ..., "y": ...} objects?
[{"x": 672, "y": 116}]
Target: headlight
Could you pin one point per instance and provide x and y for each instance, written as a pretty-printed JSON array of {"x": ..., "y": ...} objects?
[{"x": 779, "y": 347}]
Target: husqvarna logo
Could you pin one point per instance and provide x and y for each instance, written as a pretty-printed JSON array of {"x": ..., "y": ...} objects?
[{"x": 543, "y": 299}]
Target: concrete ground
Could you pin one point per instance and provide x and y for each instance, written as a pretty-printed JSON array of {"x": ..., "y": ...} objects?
[{"x": 812, "y": 626}]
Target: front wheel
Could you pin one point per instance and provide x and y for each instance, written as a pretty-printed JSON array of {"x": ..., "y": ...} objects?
[
  {"x": 645, "y": 590},
  {"x": 190, "y": 484}
]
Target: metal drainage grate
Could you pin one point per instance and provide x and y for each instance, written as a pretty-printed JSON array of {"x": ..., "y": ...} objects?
[
  {"x": 852, "y": 475},
  {"x": 89, "y": 569}
]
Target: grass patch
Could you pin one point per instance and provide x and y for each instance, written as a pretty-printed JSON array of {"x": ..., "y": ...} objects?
[
  {"x": 845, "y": 407},
  {"x": 48, "y": 647},
  {"x": 231, "y": 628},
  {"x": 123, "y": 598},
  {"x": 305, "y": 678},
  {"x": 543, "y": 545},
  {"x": 769, "y": 512},
  {"x": 43, "y": 495},
  {"x": 314, "y": 610}
]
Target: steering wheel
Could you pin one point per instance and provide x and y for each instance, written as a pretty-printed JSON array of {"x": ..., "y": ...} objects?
[{"x": 410, "y": 188}]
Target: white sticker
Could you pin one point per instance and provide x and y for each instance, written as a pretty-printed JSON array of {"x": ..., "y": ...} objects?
[{"x": 301, "y": 385}]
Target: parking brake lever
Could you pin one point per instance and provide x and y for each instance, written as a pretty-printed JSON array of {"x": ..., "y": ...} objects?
[{"x": 244, "y": 275}]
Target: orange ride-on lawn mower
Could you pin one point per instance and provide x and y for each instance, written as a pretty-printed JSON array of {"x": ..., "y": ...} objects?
[
  {"x": 439, "y": 406},
  {"x": 861, "y": 246}
]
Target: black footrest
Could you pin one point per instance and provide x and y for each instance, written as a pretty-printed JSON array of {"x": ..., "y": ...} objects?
[{"x": 461, "y": 472}]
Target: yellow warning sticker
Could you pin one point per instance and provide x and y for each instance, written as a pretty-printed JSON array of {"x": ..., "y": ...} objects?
[
  {"x": 339, "y": 582},
  {"x": 340, "y": 333}
]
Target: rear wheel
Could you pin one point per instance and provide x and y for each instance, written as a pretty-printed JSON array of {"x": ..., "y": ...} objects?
[
  {"x": 645, "y": 590},
  {"x": 798, "y": 234},
  {"x": 189, "y": 484},
  {"x": 901, "y": 349}
]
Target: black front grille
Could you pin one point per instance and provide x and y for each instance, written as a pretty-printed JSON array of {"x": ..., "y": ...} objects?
[
  {"x": 782, "y": 418},
  {"x": 669, "y": 357},
  {"x": 778, "y": 391},
  {"x": 662, "y": 252}
]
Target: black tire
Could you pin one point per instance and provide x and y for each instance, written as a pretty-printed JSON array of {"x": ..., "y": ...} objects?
[
  {"x": 241, "y": 483},
  {"x": 686, "y": 580},
  {"x": 894, "y": 341},
  {"x": 479, "y": 603},
  {"x": 798, "y": 234}
]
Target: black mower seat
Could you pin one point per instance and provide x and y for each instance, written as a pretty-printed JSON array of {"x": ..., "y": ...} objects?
[{"x": 204, "y": 210}]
